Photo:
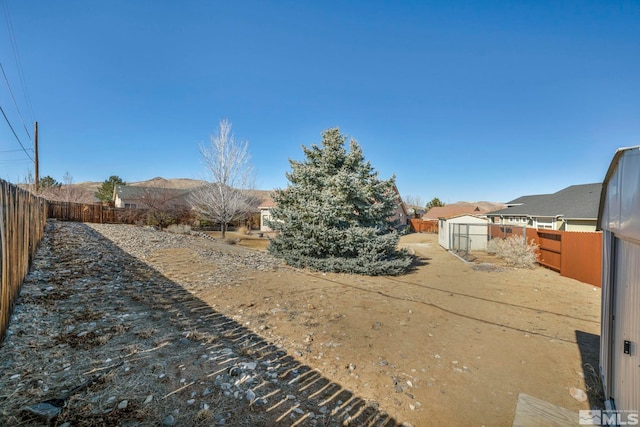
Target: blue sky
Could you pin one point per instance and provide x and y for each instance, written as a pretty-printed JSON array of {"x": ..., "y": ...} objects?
[{"x": 461, "y": 100}]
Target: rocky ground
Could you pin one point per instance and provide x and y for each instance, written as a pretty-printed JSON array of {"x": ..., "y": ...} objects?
[
  {"x": 117, "y": 343},
  {"x": 131, "y": 326}
]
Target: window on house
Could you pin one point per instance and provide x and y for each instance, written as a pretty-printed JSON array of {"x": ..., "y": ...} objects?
[
  {"x": 545, "y": 224},
  {"x": 130, "y": 205}
]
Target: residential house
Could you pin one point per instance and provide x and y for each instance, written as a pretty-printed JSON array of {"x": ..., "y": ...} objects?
[
  {"x": 574, "y": 208},
  {"x": 129, "y": 196},
  {"x": 460, "y": 208},
  {"x": 265, "y": 207}
]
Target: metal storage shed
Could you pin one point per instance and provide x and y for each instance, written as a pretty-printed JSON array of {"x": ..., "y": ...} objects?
[
  {"x": 619, "y": 218},
  {"x": 463, "y": 231}
]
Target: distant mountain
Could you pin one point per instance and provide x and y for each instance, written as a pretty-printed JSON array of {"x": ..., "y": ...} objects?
[{"x": 180, "y": 183}]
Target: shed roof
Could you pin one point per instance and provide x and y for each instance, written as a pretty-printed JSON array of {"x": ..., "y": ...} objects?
[
  {"x": 619, "y": 207},
  {"x": 574, "y": 202},
  {"x": 476, "y": 218}
]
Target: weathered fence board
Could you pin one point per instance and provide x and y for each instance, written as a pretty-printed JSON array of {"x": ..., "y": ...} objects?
[
  {"x": 22, "y": 220},
  {"x": 82, "y": 212},
  {"x": 424, "y": 226}
]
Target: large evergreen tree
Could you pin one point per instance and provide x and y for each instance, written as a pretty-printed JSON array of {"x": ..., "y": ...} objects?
[{"x": 335, "y": 213}]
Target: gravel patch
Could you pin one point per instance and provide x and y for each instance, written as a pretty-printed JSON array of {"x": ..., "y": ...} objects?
[{"x": 98, "y": 337}]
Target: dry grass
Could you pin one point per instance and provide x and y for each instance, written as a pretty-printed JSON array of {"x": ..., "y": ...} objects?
[
  {"x": 593, "y": 383},
  {"x": 515, "y": 250}
]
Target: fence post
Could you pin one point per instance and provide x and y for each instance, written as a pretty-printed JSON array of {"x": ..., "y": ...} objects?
[{"x": 468, "y": 241}]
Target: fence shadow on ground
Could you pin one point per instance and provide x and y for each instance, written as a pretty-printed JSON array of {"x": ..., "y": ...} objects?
[{"x": 284, "y": 391}]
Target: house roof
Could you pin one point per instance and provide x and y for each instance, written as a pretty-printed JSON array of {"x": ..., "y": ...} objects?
[
  {"x": 267, "y": 203},
  {"x": 130, "y": 192},
  {"x": 460, "y": 208},
  {"x": 523, "y": 199},
  {"x": 574, "y": 202}
]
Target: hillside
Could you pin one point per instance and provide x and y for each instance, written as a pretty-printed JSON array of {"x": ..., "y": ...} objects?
[{"x": 180, "y": 183}]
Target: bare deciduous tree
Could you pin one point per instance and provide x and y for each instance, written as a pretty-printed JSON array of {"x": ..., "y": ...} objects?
[
  {"x": 413, "y": 201},
  {"x": 225, "y": 198},
  {"x": 165, "y": 205},
  {"x": 66, "y": 192}
]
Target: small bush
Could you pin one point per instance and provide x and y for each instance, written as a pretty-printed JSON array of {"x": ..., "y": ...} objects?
[
  {"x": 243, "y": 230},
  {"x": 179, "y": 228},
  {"x": 515, "y": 250},
  {"x": 232, "y": 240}
]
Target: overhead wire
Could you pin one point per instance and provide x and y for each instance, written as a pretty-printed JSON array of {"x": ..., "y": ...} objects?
[
  {"x": 14, "y": 47},
  {"x": 9, "y": 151},
  {"x": 6, "y": 80},
  {"x": 15, "y": 134},
  {"x": 16, "y": 55}
]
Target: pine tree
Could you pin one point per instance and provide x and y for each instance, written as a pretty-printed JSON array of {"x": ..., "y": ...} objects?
[
  {"x": 335, "y": 213},
  {"x": 105, "y": 192}
]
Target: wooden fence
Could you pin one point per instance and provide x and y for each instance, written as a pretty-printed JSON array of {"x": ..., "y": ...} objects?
[
  {"x": 573, "y": 254},
  {"x": 22, "y": 220},
  {"x": 423, "y": 226},
  {"x": 82, "y": 212}
]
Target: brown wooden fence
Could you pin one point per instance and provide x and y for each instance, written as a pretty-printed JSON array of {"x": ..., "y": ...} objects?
[
  {"x": 81, "y": 212},
  {"x": 22, "y": 220},
  {"x": 422, "y": 226},
  {"x": 573, "y": 254}
]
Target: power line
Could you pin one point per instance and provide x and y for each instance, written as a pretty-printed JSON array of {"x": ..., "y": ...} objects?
[
  {"x": 14, "y": 100},
  {"x": 16, "y": 55},
  {"x": 13, "y": 151},
  {"x": 15, "y": 134}
]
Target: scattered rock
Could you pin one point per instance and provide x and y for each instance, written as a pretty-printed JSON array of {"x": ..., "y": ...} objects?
[
  {"x": 45, "y": 411},
  {"x": 578, "y": 394}
]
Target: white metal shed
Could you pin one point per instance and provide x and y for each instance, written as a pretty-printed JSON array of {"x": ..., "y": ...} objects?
[
  {"x": 452, "y": 229},
  {"x": 619, "y": 219}
]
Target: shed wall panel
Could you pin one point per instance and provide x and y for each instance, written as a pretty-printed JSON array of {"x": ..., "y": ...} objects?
[
  {"x": 626, "y": 367},
  {"x": 622, "y": 203},
  {"x": 443, "y": 234},
  {"x": 607, "y": 313}
]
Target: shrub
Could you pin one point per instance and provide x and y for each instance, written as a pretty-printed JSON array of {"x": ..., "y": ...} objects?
[
  {"x": 515, "y": 250},
  {"x": 243, "y": 230}
]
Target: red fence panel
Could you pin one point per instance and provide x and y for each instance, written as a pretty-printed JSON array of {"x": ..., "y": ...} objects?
[
  {"x": 573, "y": 254},
  {"x": 582, "y": 256},
  {"x": 421, "y": 226}
]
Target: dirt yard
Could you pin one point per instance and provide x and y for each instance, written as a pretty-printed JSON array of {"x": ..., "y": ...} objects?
[{"x": 451, "y": 343}]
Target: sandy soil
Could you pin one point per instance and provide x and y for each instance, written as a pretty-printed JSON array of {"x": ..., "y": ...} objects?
[
  {"x": 450, "y": 343},
  {"x": 188, "y": 319}
]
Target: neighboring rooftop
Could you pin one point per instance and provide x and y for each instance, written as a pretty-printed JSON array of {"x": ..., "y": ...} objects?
[
  {"x": 574, "y": 202},
  {"x": 461, "y": 208}
]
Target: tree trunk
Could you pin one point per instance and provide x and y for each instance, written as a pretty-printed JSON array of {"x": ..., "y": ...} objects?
[{"x": 223, "y": 228}]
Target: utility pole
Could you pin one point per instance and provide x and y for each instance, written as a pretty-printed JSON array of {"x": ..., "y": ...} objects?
[{"x": 35, "y": 150}]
